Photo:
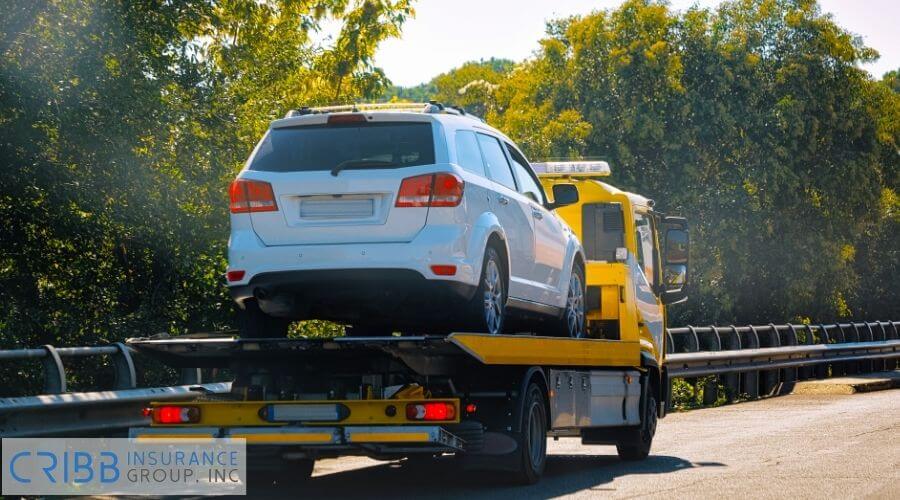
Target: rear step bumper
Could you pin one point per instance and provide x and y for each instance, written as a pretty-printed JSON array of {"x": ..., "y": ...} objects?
[{"x": 381, "y": 438}]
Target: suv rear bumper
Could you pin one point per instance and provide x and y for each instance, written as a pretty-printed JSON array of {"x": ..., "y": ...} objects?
[{"x": 361, "y": 296}]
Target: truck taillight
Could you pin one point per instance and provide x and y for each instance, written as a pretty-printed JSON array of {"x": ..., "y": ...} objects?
[
  {"x": 430, "y": 190},
  {"x": 252, "y": 196},
  {"x": 431, "y": 411},
  {"x": 173, "y": 414}
]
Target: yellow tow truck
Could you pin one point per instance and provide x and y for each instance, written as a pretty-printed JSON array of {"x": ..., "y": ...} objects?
[{"x": 490, "y": 400}]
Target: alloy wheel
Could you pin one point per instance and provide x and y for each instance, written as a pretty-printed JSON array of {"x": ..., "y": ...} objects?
[
  {"x": 493, "y": 297},
  {"x": 575, "y": 307}
]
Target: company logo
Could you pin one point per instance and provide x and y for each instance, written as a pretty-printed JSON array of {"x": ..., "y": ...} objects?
[{"x": 84, "y": 466}]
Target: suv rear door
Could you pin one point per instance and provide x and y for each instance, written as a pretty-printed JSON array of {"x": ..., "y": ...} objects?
[
  {"x": 336, "y": 181},
  {"x": 549, "y": 237}
]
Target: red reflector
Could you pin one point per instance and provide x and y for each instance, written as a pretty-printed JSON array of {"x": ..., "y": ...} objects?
[
  {"x": 176, "y": 414},
  {"x": 346, "y": 118},
  {"x": 430, "y": 411},
  {"x": 251, "y": 196},
  {"x": 471, "y": 408},
  {"x": 415, "y": 191},
  {"x": 235, "y": 275},
  {"x": 443, "y": 270},
  {"x": 448, "y": 190},
  {"x": 147, "y": 412}
]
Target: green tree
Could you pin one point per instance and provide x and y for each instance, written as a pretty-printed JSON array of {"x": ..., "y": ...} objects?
[
  {"x": 122, "y": 125},
  {"x": 755, "y": 122}
]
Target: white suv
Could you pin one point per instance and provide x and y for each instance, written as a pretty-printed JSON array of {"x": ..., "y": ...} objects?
[{"x": 414, "y": 221}]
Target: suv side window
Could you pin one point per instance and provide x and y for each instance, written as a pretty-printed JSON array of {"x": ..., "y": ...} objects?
[
  {"x": 528, "y": 185},
  {"x": 496, "y": 161},
  {"x": 468, "y": 156}
]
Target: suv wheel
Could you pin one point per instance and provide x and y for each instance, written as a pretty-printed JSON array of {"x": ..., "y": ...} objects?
[
  {"x": 490, "y": 299},
  {"x": 573, "y": 316},
  {"x": 255, "y": 324}
]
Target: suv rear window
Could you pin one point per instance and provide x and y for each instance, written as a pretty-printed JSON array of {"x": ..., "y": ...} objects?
[{"x": 323, "y": 147}]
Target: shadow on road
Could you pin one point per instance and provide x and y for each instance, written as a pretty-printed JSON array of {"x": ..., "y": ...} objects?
[{"x": 565, "y": 474}]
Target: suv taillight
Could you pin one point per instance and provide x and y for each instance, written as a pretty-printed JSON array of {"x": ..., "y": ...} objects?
[
  {"x": 252, "y": 196},
  {"x": 430, "y": 190}
]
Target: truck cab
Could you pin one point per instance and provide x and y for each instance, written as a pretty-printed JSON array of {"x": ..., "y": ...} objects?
[{"x": 636, "y": 258}]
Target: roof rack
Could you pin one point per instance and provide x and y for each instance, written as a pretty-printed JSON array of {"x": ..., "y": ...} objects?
[{"x": 419, "y": 107}]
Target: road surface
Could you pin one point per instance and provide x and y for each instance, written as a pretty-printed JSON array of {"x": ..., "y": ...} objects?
[{"x": 798, "y": 446}]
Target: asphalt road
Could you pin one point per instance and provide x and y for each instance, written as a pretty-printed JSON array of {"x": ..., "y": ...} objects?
[{"x": 798, "y": 446}]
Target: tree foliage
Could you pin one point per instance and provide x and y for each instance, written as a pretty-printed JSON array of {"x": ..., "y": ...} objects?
[
  {"x": 755, "y": 122},
  {"x": 122, "y": 125}
]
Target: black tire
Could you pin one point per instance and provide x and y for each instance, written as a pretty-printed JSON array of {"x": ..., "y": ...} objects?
[
  {"x": 489, "y": 302},
  {"x": 572, "y": 322},
  {"x": 637, "y": 447},
  {"x": 532, "y": 452},
  {"x": 255, "y": 324}
]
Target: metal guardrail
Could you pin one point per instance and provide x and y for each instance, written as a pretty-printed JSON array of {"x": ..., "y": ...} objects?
[
  {"x": 55, "y": 371},
  {"x": 109, "y": 413},
  {"x": 756, "y": 361}
]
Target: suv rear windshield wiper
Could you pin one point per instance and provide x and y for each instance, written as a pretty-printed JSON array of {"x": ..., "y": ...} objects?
[{"x": 360, "y": 163}]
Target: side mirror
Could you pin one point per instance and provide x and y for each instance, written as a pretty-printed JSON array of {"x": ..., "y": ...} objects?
[
  {"x": 563, "y": 195},
  {"x": 675, "y": 260}
]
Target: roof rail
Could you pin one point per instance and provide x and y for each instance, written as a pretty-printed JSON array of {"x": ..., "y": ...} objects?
[{"x": 418, "y": 107}]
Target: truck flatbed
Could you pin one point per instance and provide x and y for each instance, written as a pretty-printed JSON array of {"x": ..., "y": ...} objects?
[{"x": 433, "y": 354}]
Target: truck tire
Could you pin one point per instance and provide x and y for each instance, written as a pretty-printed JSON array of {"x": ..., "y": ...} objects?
[
  {"x": 572, "y": 324},
  {"x": 533, "y": 439},
  {"x": 637, "y": 447},
  {"x": 489, "y": 302},
  {"x": 255, "y": 324}
]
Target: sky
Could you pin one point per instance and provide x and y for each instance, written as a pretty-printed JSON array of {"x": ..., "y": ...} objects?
[{"x": 446, "y": 33}]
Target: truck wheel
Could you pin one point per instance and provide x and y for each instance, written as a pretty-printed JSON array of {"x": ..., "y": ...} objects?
[
  {"x": 638, "y": 447},
  {"x": 533, "y": 438},
  {"x": 489, "y": 303},
  {"x": 572, "y": 321},
  {"x": 255, "y": 324}
]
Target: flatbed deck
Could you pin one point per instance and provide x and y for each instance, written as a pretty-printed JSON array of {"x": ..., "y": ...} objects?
[{"x": 435, "y": 351}]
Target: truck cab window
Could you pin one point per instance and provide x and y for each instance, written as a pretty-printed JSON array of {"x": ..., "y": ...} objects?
[{"x": 644, "y": 244}]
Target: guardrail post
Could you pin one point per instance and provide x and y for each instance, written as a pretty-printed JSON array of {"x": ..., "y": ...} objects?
[
  {"x": 54, "y": 371},
  {"x": 846, "y": 367},
  {"x": 750, "y": 380},
  {"x": 711, "y": 386},
  {"x": 877, "y": 364},
  {"x": 820, "y": 370},
  {"x": 670, "y": 347},
  {"x": 862, "y": 366},
  {"x": 770, "y": 379},
  {"x": 804, "y": 372},
  {"x": 891, "y": 364},
  {"x": 788, "y": 375},
  {"x": 693, "y": 382},
  {"x": 191, "y": 376},
  {"x": 126, "y": 378},
  {"x": 732, "y": 381}
]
